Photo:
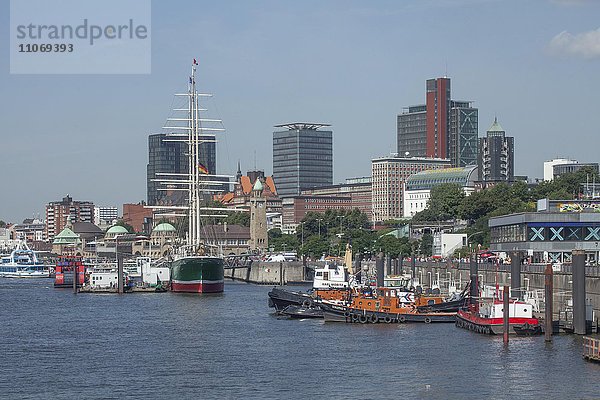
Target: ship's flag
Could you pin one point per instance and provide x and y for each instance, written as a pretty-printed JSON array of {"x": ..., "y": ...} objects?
[
  {"x": 190, "y": 80},
  {"x": 202, "y": 169},
  {"x": 195, "y": 62}
]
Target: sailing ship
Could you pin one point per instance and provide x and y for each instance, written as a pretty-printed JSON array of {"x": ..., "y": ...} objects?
[{"x": 195, "y": 267}]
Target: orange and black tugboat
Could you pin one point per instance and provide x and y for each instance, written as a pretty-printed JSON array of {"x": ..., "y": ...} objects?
[{"x": 388, "y": 305}]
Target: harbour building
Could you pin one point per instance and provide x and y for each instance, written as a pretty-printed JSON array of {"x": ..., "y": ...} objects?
[
  {"x": 552, "y": 233},
  {"x": 440, "y": 128},
  {"x": 388, "y": 175},
  {"x": 302, "y": 157},
  {"x": 496, "y": 156},
  {"x": 417, "y": 188},
  {"x": 166, "y": 155}
]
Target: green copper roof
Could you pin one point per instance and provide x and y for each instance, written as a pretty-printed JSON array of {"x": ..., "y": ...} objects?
[
  {"x": 424, "y": 180},
  {"x": 164, "y": 227},
  {"x": 116, "y": 229},
  {"x": 66, "y": 236},
  {"x": 495, "y": 126},
  {"x": 258, "y": 187}
]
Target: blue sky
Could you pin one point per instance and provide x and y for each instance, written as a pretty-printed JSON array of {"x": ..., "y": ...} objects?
[{"x": 353, "y": 64}]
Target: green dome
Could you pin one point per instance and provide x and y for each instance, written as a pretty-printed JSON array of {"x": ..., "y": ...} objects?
[
  {"x": 164, "y": 227},
  {"x": 116, "y": 230},
  {"x": 66, "y": 236}
]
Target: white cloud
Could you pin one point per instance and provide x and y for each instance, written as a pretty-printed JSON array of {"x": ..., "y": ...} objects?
[{"x": 586, "y": 44}]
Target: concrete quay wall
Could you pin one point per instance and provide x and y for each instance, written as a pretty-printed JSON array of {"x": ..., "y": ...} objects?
[{"x": 267, "y": 273}]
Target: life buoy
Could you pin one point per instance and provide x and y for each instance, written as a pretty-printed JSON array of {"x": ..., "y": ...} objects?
[
  {"x": 387, "y": 319},
  {"x": 363, "y": 319},
  {"x": 427, "y": 320}
]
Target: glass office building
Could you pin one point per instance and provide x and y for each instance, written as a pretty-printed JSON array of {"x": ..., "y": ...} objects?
[{"x": 302, "y": 157}]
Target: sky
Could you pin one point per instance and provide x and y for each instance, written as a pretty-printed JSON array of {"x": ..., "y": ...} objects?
[{"x": 353, "y": 64}]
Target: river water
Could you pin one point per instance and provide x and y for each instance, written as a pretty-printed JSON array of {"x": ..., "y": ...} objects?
[{"x": 59, "y": 345}]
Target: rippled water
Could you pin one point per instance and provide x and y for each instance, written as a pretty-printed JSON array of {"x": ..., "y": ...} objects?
[{"x": 59, "y": 345}]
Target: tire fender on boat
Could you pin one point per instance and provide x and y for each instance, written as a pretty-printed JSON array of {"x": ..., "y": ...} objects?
[
  {"x": 306, "y": 303},
  {"x": 387, "y": 319},
  {"x": 427, "y": 320},
  {"x": 363, "y": 319},
  {"x": 402, "y": 319},
  {"x": 373, "y": 318}
]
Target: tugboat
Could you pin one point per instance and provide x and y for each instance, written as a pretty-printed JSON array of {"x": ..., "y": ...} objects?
[
  {"x": 487, "y": 317},
  {"x": 331, "y": 283},
  {"x": 389, "y": 305}
]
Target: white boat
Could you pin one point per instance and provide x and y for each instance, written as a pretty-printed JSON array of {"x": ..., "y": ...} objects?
[{"x": 23, "y": 263}]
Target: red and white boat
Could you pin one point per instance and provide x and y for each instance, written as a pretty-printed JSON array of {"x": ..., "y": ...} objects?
[{"x": 487, "y": 317}]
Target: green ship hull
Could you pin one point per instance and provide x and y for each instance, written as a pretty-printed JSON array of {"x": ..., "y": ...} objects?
[{"x": 197, "y": 274}]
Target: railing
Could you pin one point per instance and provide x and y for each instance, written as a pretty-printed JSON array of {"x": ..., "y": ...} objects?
[
  {"x": 591, "y": 348},
  {"x": 566, "y": 269}
]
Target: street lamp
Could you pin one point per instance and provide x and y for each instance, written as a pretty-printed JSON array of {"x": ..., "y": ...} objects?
[{"x": 319, "y": 221}]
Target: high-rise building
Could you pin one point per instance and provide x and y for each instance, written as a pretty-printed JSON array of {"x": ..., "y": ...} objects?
[
  {"x": 302, "y": 157},
  {"x": 388, "y": 175},
  {"x": 105, "y": 216},
  {"x": 57, "y": 213},
  {"x": 463, "y": 134},
  {"x": 440, "y": 128},
  {"x": 166, "y": 155},
  {"x": 496, "y": 156}
]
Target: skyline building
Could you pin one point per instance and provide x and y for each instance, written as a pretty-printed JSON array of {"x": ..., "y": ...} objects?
[
  {"x": 496, "y": 156},
  {"x": 302, "y": 157},
  {"x": 440, "y": 128},
  {"x": 388, "y": 175},
  {"x": 169, "y": 156},
  {"x": 58, "y": 212}
]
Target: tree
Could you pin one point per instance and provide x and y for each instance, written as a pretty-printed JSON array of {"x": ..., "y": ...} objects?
[
  {"x": 426, "y": 247},
  {"x": 238, "y": 218},
  {"x": 444, "y": 203},
  {"x": 2, "y": 224},
  {"x": 393, "y": 246},
  {"x": 280, "y": 242}
]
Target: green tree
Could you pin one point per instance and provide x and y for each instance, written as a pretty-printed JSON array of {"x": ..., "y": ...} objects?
[
  {"x": 281, "y": 242},
  {"x": 426, "y": 247},
  {"x": 392, "y": 245},
  {"x": 2, "y": 224},
  {"x": 238, "y": 218},
  {"x": 444, "y": 203}
]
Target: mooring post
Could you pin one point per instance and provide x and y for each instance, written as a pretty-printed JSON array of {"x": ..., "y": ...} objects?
[
  {"x": 474, "y": 284},
  {"x": 548, "y": 300},
  {"x": 515, "y": 275},
  {"x": 388, "y": 264},
  {"x": 379, "y": 269},
  {"x": 280, "y": 274},
  {"x": 120, "y": 274},
  {"x": 75, "y": 273},
  {"x": 506, "y": 313},
  {"x": 413, "y": 269},
  {"x": 578, "y": 277}
]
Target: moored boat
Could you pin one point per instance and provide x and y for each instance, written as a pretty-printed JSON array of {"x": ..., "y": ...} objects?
[
  {"x": 389, "y": 305},
  {"x": 487, "y": 317},
  {"x": 23, "y": 263},
  {"x": 195, "y": 267}
]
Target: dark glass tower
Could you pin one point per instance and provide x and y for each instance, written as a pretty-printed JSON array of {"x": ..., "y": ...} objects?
[
  {"x": 496, "y": 156},
  {"x": 302, "y": 157},
  {"x": 170, "y": 156}
]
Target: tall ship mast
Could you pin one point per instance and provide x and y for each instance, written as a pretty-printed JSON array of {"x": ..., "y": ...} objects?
[{"x": 195, "y": 266}]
